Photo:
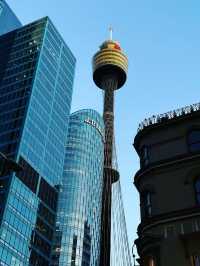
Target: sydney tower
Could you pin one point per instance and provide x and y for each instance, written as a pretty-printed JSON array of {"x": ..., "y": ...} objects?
[{"x": 110, "y": 66}]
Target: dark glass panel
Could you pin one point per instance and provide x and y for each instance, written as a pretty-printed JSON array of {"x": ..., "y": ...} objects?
[
  {"x": 3, "y": 197},
  {"x": 48, "y": 194},
  {"x": 86, "y": 246},
  {"x": 37, "y": 242},
  {"x": 44, "y": 229},
  {"x": 4, "y": 184},
  {"x": 73, "y": 259},
  {"x": 46, "y": 214},
  {"x": 37, "y": 260},
  {"x": 28, "y": 175}
]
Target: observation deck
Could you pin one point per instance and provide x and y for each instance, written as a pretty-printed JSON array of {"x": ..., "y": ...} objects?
[{"x": 110, "y": 60}]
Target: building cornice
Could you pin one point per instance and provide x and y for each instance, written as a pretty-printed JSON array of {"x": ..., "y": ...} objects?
[
  {"x": 163, "y": 120},
  {"x": 180, "y": 159},
  {"x": 168, "y": 218}
]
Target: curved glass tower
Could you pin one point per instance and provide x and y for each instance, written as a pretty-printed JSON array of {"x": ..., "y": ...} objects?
[{"x": 77, "y": 240}]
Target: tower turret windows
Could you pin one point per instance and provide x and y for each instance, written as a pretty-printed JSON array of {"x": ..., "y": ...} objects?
[
  {"x": 144, "y": 156},
  {"x": 147, "y": 204},
  {"x": 197, "y": 190},
  {"x": 194, "y": 140},
  {"x": 148, "y": 207}
]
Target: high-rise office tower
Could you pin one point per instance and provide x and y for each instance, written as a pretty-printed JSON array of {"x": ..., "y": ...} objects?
[
  {"x": 8, "y": 20},
  {"x": 120, "y": 249},
  {"x": 78, "y": 226},
  {"x": 169, "y": 185},
  {"x": 36, "y": 79},
  {"x": 109, "y": 73}
]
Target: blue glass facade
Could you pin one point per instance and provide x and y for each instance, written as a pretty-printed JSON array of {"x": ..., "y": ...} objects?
[
  {"x": 8, "y": 20},
  {"x": 78, "y": 224},
  {"x": 36, "y": 80},
  {"x": 120, "y": 249}
]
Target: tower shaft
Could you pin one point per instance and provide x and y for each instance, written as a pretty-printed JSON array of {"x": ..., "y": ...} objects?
[
  {"x": 109, "y": 84},
  {"x": 110, "y": 67}
]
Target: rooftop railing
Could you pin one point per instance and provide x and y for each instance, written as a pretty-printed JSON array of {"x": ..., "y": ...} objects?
[{"x": 157, "y": 119}]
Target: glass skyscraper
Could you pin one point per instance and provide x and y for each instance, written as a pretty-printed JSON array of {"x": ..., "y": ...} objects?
[
  {"x": 36, "y": 80},
  {"x": 120, "y": 249},
  {"x": 79, "y": 208},
  {"x": 8, "y": 20}
]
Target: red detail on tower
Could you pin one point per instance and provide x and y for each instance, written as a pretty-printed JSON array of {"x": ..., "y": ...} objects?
[{"x": 117, "y": 46}]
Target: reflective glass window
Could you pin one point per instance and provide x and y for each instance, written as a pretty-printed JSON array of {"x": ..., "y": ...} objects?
[{"x": 79, "y": 203}]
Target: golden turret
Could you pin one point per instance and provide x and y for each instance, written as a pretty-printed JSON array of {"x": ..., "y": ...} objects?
[{"x": 110, "y": 60}]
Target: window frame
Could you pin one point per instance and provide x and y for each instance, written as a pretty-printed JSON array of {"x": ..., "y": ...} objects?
[
  {"x": 146, "y": 200},
  {"x": 197, "y": 193},
  {"x": 144, "y": 156},
  {"x": 192, "y": 143}
]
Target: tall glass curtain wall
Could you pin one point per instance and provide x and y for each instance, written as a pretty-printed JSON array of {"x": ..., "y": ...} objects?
[
  {"x": 79, "y": 209},
  {"x": 47, "y": 118},
  {"x": 36, "y": 79},
  {"x": 120, "y": 252},
  {"x": 8, "y": 20}
]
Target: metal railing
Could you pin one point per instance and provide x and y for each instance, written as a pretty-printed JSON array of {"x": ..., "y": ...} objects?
[{"x": 157, "y": 119}]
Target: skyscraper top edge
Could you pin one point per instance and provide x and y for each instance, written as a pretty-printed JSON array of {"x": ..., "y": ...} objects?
[
  {"x": 10, "y": 10},
  {"x": 86, "y": 110},
  {"x": 27, "y": 24},
  {"x": 47, "y": 20},
  {"x": 91, "y": 117},
  {"x": 50, "y": 21}
]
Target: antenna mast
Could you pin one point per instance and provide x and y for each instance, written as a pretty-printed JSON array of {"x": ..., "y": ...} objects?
[{"x": 111, "y": 33}]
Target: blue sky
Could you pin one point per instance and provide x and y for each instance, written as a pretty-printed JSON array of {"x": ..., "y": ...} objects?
[{"x": 162, "y": 41}]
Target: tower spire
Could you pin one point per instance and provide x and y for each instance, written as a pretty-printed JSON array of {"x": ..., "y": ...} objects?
[{"x": 110, "y": 33}]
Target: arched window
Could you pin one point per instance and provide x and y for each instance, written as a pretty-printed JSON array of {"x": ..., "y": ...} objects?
[
  {"x": 195, "y": 260},
  {"x": 197, "y": 190},
  {"x": 146, "y": 203},
  {"x": 151, "y": 262},
  {"x": 148, "y": 207},
  {"x": 194, "y": 140},
  {"x": 144, "y": 156}
]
